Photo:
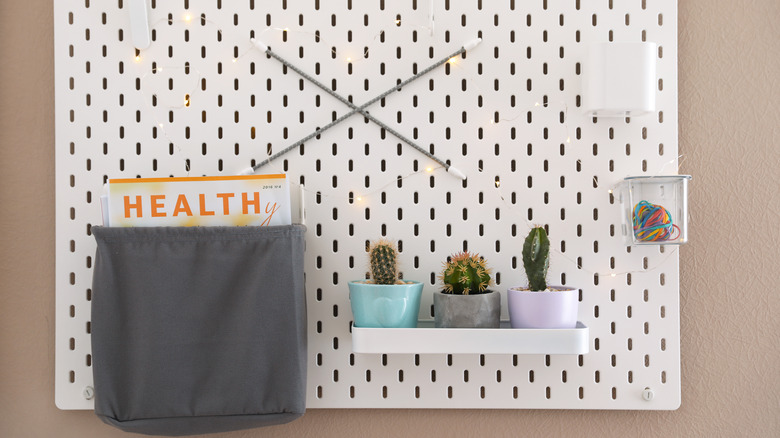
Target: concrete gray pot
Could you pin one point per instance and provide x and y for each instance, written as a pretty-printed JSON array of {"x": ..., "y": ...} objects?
[{"x": 467, "y": 311}]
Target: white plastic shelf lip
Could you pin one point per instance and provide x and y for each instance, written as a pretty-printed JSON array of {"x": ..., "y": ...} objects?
[{"x": 425, "y": 339}]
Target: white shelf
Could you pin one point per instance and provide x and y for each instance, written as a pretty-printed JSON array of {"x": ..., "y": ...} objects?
[{"x": 505, "y": 340}]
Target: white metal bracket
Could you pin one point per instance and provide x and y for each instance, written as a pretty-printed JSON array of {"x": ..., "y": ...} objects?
[{"x": 139, "y": 24}]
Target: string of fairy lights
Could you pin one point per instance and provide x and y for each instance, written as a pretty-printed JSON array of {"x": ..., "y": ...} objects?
[{"x": 361, "y": 197}]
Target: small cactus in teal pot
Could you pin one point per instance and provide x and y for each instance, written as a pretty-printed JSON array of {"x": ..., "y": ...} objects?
[
  {"x": 536, "y": 258},
  {"x": 384, "y": 300},
  {"x": 465, "y": 274},
  {"x": 383, "y": 261}
]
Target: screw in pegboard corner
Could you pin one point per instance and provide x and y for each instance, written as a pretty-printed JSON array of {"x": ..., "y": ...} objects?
[
  {"x": 88, "y": 392},
  {"x": 648, "y": 394}
]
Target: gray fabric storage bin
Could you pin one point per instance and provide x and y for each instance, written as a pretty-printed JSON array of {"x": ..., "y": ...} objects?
[{"x": 198, "y": 329}]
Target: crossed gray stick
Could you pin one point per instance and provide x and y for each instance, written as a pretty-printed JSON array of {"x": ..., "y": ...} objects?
[{"x": 360, "y": 109}]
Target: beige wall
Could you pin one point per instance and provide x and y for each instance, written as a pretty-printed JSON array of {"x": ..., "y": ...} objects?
[{"x": 729, "y": 116}]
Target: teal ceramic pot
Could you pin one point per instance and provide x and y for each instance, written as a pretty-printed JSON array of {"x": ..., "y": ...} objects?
[{"x": 385, "y": 305}]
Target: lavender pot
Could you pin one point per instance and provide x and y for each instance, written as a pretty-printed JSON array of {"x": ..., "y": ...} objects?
[{"x": 556, "y": 308}]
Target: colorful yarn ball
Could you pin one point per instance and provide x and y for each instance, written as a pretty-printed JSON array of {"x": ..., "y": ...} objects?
[{"x": 653, "y": 223}]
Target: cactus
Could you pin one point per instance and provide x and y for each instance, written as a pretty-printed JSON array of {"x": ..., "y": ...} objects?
[
  {"x": 465, "y": 274},
  {"x": 383, "y": 258},
  {"x": 536, "y": 258}
]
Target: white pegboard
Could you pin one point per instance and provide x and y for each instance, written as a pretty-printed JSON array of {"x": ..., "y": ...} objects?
[{"x": 506, "y": 114}]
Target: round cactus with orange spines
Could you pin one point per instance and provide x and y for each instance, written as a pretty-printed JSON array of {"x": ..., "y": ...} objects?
[{"x": 466, "y": 274}]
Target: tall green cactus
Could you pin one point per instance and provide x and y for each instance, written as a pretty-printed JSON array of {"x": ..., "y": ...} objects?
[
  {"x": 536, "y": 258},
  {"x": 383, "y": 258},
  {"x": 465, "y": 274}
]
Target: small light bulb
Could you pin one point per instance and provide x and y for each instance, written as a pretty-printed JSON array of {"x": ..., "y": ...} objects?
[
  {"x": 235, "y": 59},
  {"x": 568, "y": 139},
  {"x": 137, "y": 58},
  {"x": 161, "y": 125},
  {"x": 609, "y": 191},
  {"x": 429, "y": 169},
  {"x": 452, "y": 60},
  {"x": 498, "y": 184},
  {"x": 536, "y": 104},
  {"x": 188, "y": 18},
  {"x": 397, "y": 21},
  {"x": 359, "y": 198},
  {"x": 286, "y": 29},
  {"x": 613, "y": 275}
]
